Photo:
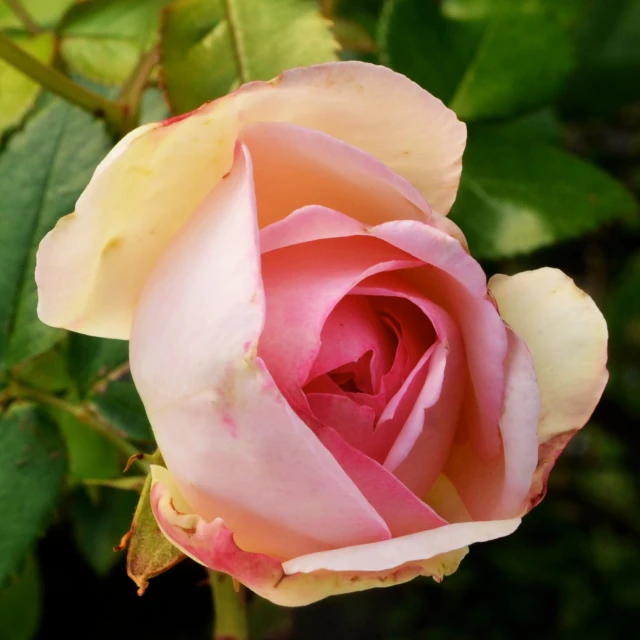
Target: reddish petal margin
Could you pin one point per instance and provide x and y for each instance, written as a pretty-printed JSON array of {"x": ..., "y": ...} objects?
[
  {"x": 305, "y": 580},
  {"x": 567, "y": 337}
]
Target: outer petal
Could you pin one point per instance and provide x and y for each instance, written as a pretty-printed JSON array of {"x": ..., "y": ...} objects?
[
  {"x": 235, "y": 447},
  {"x": 212, "y": 544},
  {"x": 567, "y": 337},
  {"x": 498, "y": 487},
  {"x": 93, "y": 266}
]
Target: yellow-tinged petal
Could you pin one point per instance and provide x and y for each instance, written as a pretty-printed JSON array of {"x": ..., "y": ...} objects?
[
  {"x": 567, "y": 337},
  {"x": 92, "y": 267}
]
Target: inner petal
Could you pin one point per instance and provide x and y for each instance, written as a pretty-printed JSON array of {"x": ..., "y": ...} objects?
[
  {"x": 353, "y": 397},
  {"x": 357, "y": 346}
]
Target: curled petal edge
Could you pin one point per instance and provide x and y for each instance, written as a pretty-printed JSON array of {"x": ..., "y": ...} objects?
[{"x": 211, "y": 544}]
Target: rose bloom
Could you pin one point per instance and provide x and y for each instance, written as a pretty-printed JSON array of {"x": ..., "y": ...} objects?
[{"x": 341, "y": 399}]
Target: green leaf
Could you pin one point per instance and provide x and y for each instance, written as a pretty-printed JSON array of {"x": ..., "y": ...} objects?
[
  {"x": 517, "y": 195},
  {"x": 32, "y": 470},
  {"x": 47, "y": 371},
  {"x": 210, "y": 47},
  {"x": 490, "y": 64},
  {"x": 154, "y": 107},
  {"x": 607, "y": 33},
  {"x": 20, "y": 605},
  {"x": 99, "y": 525},
  {"x": 623, "y": 317},
  {"x": 120, "y": 405},
  {"x": 92, "y": 359},
  {"x": 18, "y": 92},
  {"x": 43, "y": 170},
  {"x": 91, "y": 456},
  {"x": 103, "y": 40},
  {"x": 45, "y": 13}
]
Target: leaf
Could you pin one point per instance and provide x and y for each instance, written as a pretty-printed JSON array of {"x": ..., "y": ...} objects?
[
  {"x": 47, "y": 371},
  {"x": 120, "y": 405},
  {"x": 154, "y": 107},
  {"x": 103, "y": 40},
  {"x": 43, "y": 170},
  {"x": 149, "y": 553},
  {"x": 623, "y": 317},
  {"x": 20, "y": 605},
  {"x": 45, "y": 13},
  {"x": 91, "y": 456},
  {"x": 91, "y": 359},
  {"x": 32, "y": 470},
  {"x": 517, "y": 195},
  {"x": 489, "y": 65},
  {"x": 18, "y": 92},
  {"x": 99, "y": 525},
  {"x": 210, "y": 47},
  {"x": 608, "y": 35}
]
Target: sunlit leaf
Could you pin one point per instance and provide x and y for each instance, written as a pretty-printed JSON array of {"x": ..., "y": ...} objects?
[
  {"x": 517, "y": 195},
  {"x": 45, "y": 13},
  {"x": 210, "y": 47},
  {"x": 103, "y": 39},
  {"x": 17, "y": 91}
]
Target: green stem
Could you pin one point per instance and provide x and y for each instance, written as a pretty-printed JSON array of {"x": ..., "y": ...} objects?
[
  {"x": 58, "y": 83},
  {"x": 82, "y": 414},
  {"x": 230, "y": 615},
  {"x": 23, "y": 15},
  {"x": 131, "y": 95}
]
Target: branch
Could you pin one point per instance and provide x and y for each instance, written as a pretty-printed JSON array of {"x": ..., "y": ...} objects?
[{"x": 58, "y": 83}]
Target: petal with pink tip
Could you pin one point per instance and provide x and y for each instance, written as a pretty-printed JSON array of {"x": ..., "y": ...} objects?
[
  {"x": 93, "y": 266},
  {"x": 223, "y": 426},
  {"x": 212, "y": 544}
]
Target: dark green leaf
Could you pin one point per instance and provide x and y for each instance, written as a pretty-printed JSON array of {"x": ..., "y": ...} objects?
[
  {"x": 623, "y": 316},
  {"x": 608, "y": 34},
  {"x": 210, "y": 47},
  {"x": 47, "y": 371},
  {"x": 120, "y": 405},
  {"x": 92, "y": 359},
  {"x": 103, "y": 39},
  {"x": 20, "y": 605},
  {"x": 100, "y": 524},
  {"x": 43, "y": 170},
  {"x": 517, "y": 195},
  {"x": 18, "y": 92},
  {"x": 91, "y": 456},
  {"x": 491, "y": 64},
  {"x": 32, "y": 470}
]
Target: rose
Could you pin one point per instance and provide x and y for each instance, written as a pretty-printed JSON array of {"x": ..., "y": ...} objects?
[{"x": 340, "y": 400}]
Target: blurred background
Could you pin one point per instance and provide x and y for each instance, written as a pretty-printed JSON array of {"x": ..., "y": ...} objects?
[{"x": 550, "y": 90}]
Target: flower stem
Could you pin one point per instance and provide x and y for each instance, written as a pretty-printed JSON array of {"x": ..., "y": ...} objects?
[
  {"x": 23, "y": 15},
  {"x": 56, "y": 82},
  {"x": 82, "y": 414},
  {"x": 131, "y": 94},
  {"x": 230, "y": 615}
]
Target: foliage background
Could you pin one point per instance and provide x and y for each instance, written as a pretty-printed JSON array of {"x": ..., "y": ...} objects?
[{"x": 551, "y": 92}]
